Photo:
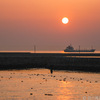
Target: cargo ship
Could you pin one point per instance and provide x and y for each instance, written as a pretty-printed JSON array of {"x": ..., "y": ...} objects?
[{"x": 71, "y": 49}]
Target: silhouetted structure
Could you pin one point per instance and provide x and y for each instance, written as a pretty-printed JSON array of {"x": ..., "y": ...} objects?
[{"x": 52, "y": 61}]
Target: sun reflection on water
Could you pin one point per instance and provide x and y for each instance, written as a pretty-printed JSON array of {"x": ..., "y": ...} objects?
[{"x": 64, "y": 92}]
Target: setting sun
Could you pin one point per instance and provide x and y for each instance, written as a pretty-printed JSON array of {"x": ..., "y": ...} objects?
[{"x": 65, "y": 20}]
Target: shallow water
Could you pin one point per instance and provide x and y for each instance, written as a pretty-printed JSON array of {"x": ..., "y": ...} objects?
[{"x": 39, "y": 84}]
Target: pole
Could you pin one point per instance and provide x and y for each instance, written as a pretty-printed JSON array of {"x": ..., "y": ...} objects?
[
  {"x": 79, "y": 48},
  {"x": 34, "y": 48}
]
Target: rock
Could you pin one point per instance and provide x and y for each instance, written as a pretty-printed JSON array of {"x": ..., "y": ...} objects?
[
  {"x": 96, "y": 81},
  {"x": 60, "y": 80},
  {"x": 49, "y": 94},
  {"x": 80, "y": 78},
  {"x": 64, "y": 79},
  {"x": 31, "y": 93}
]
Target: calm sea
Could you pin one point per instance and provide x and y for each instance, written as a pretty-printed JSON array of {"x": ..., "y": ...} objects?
[
  {"x": 50, "y": 51},
  {"x": 39, "y": 84},
  {"x": 58, "y": 52}
]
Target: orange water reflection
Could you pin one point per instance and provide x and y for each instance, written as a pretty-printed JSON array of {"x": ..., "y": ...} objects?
[
  {"x": 19, "y": 84},
  {"x": 64, "y": 92}
]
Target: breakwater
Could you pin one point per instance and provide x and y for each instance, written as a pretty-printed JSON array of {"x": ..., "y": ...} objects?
[{"x": 56, "y": 61}]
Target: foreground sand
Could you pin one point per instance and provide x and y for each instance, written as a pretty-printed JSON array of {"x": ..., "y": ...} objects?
[{"x": 39, "y": 84}]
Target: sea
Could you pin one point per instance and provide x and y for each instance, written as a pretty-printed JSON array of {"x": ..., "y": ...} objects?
[
  {"x": 61, "y": 52},
  {"x": 49, "y": 51},
  {"x": 40, "y": 84}
]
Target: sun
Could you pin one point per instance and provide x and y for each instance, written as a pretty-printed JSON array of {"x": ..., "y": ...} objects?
[{"x": 65, "y": 20}]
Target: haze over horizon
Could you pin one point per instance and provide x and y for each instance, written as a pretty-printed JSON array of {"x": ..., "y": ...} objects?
[{"x": 25, "y": 23}]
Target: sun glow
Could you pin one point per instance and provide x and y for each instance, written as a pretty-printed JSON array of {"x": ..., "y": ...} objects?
[{"x": 65, "y": 20}]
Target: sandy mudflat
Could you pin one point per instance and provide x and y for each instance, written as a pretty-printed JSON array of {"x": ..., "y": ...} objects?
[{"x": 39, "y": 84}]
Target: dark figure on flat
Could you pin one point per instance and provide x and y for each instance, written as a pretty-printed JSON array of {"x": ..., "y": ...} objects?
[{"x": 51, "y": 70}]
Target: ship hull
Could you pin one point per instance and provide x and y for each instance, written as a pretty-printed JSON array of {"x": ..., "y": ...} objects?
[{"x": 92, "y": 50}]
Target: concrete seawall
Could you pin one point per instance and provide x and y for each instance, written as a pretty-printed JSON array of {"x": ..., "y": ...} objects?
[{"x": 56, "y": 61}]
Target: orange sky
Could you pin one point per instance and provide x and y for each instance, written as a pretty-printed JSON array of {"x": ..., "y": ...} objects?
[{"x": 24, "y": 23}]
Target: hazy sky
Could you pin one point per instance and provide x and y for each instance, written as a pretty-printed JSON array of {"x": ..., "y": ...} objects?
[{"x": 25, "y": 23}]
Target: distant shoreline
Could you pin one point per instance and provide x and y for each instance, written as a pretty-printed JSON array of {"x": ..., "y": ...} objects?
[{"x": 58, "y": 61}]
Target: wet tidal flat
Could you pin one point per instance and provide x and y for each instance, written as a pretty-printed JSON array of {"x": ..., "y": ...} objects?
[{"x": 40, "y": 84}]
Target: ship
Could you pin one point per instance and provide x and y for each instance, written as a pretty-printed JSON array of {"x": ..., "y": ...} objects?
[{"x": 70, "y": 48}]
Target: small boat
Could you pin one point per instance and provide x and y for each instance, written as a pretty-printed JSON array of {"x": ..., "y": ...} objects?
[{"x": 71, "y": 49}]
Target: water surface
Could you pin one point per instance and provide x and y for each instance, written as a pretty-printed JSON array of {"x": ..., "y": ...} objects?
[{"x": 40, "y": 84}]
